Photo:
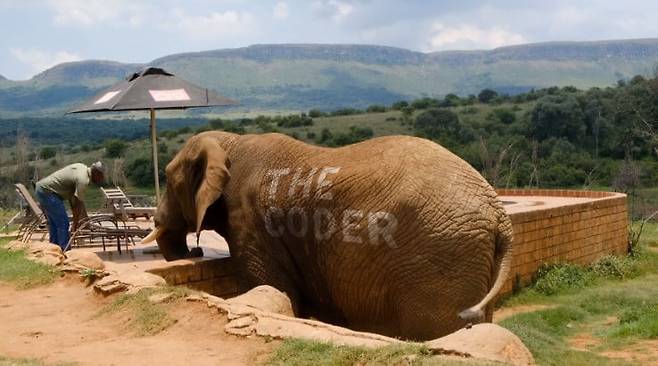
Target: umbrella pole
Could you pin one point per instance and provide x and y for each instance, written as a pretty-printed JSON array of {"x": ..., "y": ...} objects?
[{"x": 154, "y": 148}]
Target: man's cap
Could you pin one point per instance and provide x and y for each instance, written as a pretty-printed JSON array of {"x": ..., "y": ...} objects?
[{"x": 98, "y": 166}]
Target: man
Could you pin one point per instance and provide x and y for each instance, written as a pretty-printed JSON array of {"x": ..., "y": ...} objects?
[{"x": 68, "y": 183}]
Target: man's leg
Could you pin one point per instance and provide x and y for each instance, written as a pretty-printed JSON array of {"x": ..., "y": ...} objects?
[
  {"x": 45, "y": 202},
  {"x": 62, "y": 223},
  {"x": 58, "y": 219}
]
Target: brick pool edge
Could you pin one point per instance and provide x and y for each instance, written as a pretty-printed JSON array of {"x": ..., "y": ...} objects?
[{"x": 579, "y": 233}]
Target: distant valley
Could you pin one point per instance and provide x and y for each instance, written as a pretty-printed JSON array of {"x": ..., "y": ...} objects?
[{"x": 304, "y": 76}]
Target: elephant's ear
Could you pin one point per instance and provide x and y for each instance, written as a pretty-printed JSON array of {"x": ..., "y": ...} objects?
[{"x": 213, "y": 164}]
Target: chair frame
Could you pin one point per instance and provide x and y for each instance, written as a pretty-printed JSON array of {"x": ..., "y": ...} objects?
[
  {"x": 34, "y": 220},
  {"x": 98, "y": 226},
  {"x": 120, "y": 205}
]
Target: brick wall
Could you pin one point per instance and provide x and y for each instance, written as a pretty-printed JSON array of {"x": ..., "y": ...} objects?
[{"x": 578, "y": 233}]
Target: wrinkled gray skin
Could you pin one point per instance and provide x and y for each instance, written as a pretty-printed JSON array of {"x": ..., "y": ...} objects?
[{"x": 432, "y": 273}]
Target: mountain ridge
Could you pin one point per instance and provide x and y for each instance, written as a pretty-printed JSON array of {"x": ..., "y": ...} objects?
[{"x": 300, "y": 76}]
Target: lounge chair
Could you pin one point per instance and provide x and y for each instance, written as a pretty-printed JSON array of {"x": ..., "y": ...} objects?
[
  {"x": 34, "y": 219},
  {"x": 121, "y": 206},
  {"x": 105, "y": 228},
  {"x": 90, "y": 230}
]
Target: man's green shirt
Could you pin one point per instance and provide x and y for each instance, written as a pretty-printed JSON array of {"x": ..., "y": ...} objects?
[{"x": 71, "y": 180}]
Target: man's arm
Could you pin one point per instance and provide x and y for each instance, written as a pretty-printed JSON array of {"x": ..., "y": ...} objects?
[{"x": 79, "y": 211}]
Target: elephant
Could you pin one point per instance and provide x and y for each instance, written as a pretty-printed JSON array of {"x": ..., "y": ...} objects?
[{"x": 394, "y": 235}]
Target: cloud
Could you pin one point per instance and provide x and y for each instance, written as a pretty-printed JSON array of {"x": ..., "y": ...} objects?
[
  {"x": 280, "y": 10},
  {"x": 91, "y": 12},
  {"x": 214, "y": 25},
  {"x": 468, "y": 36},
  {"x": 39, "y": 60},
  {"x": 333, "y": 9}
]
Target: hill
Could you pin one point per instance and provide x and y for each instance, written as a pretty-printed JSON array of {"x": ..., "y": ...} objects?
[{"x": 303, "y": 76}]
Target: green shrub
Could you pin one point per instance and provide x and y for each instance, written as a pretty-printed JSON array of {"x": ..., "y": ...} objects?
[
  {"x": 345, "y": 112},
  {"x": 615, "y": 267},
  {"x": 316, "y": 113},
  {"x": 140, "y": 172},
  {"x": 639, "y": 322},
  {"x": 325, "y": 136},
  {"x": 216, "y": 124},
  {"x": 234, "y": 127},
  {"x": 487, "y": 95},
  {"x": 425, "y": 103},
  {"x": 399, "y": 105},
  {"x": 553, "y": 278},
  {"x": 293, "y": 120},
  {"x": 376, "y": 108},
  {"x": 47, "y": 152},
  {"x": 186, "y": 129},
  {"x": 115, "y": 148}
]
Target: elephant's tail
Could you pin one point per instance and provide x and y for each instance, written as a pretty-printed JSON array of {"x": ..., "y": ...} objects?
[{"x": 502, "y": 264}]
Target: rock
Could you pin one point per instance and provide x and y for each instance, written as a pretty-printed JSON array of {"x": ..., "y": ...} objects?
[
  {"x": 46, "y": 253},
  {"x": 15, "y": 245},
  {"x": 241, "y": 326},
  {"x": 161, "y": 298},
  {"x": 84, "y": 260},
  {"x": 43, "y": 247},
  {"x": 48, "y": 260},
  {"x": 142, "y": 279},
  {"x": 265, "y": 298},
  {"x": 109, "y": 285},
  {"x": 195, "y": 298},
  {"x": 129, "y": 281},
  {"x": 486, "y": 341},
  {"x": 279, "y": 326}
]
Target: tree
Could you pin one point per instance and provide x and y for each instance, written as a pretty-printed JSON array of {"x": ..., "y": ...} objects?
[
  {"x": 435, "y": 123},
  {"x": 486, "y": 95},
  {"x": 425, "y": 103},
  {"x": 558, "y": 116},
  {"x": 376, "y": 108},
  {"x": 504, "y": 115},
  {"x": 451, "y": 100},
  {"x": 115, "y": 148},
  {"x": 47, "y": 152},
  {"x": 399, "y": 105},
  {"x": 407, "y": 112}
]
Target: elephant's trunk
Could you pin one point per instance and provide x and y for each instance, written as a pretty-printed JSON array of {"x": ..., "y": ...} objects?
[{"x": 502, "y": 264}]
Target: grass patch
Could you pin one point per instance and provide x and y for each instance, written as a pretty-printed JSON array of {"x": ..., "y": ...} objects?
[
  {"x": 146, "y": 318},
  {"x": 615, "y": 300},
  {"x": 302, "y": 352},
  {"x": 22, "y": 272},
  {"x": 11, "y": 361},
  {"x": 634, "y": 303},
  {"x": 556, "y": 278}
]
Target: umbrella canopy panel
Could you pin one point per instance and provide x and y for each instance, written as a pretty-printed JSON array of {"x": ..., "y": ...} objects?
[{"x": 152, "y": 88}]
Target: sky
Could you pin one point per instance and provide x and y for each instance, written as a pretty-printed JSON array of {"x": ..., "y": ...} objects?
[{"x": 38, "y": 34}]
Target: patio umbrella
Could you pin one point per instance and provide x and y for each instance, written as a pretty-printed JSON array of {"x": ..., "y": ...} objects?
[{"x": 151, "y": 89}]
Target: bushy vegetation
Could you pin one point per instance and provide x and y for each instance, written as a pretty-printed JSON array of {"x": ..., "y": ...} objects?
[
  {"x": 76, "y": 131},
  {"x": 115, "y": 148},
  {"x": 557, "y": 277}
]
